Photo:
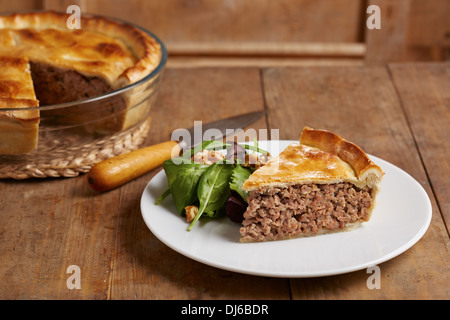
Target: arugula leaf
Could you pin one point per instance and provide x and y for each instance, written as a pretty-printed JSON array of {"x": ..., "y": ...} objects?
[
  {"x": 238, "y": 176},
  {"x": 183, "y": 180},
  {"x": 213, "y": 190},
  {"x": 215, "y": 145},
  {"x": 256, "y": 149}
]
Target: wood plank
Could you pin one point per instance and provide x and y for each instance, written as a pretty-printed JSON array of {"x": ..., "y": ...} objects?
[
  {"x": 218, "y": 21},
  {"x": 271, "y": 49},
  {"x": 21, "y": 5},
  {"x": 389, "y": 44},
  {"x": 423, "y": 89},
  {"x": 429, "y": 23},
  {"x": 62, "y": 5},
  {"x": 145, "y": 268},
  {"x": 55, "y": 223},
  {"x": 361, "y": 104},
  {"x": 47, "y": 225},
  {"x": 258, "y": 62}
]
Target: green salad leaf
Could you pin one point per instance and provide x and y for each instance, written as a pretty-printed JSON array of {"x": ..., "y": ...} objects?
[
  {"x": 163, "y": 196},
  {"x": 213, "y": 190},
  {"x": 205, "y": 186},
  {"x": 238, "y": 176},
  {"x": 183, "y": 180},
  {"x": 254, "y": 148}
]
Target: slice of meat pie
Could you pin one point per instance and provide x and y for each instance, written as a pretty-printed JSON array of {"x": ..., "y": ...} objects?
[
  {"x": 19, "y": 124},
  {"x": 324, "y": 184}
]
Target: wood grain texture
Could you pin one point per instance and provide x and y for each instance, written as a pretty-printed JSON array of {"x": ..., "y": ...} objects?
[
  {"x": 61, "y": 5},
  {"x": 252, "y": 48},
  {"x": 423, "y": 89},
  {"x": 48, "y": 225},
  {"x": 361, "y": 104},
  {"x": 42, "y": 233},
  {"x": 429, "y": 23},
  {"x": 389, "y": 42},
  {"x": 411, "y": 30},
  {"x": 258, "y": 62},
  {"x": 240, "y": 21},
  {"x": 12, "y": 6}
]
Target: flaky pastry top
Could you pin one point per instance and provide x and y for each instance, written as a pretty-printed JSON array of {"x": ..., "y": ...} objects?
[
  {"x": 16, "y": 91},
  {"x": 321, "y": 157}
]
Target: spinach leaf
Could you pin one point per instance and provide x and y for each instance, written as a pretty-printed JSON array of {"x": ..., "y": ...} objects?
[
  {"x": 213, "y": 190},
  {"x": 171, "y": 170},
  {"x": 216, "y": 214},
  {"x": 162, "y": 197},
  {"x": 238, "y": 176},
  {"x": 183, "y": 180}
]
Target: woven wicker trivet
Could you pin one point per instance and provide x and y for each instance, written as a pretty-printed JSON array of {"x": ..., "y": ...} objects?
[{"x": 72, "y": 161}]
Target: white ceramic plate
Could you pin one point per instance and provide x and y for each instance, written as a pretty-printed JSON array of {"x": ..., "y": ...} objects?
[{"x": 401, "y": 218}]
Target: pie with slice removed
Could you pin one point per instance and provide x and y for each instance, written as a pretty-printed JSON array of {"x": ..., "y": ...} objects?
[
  {"x": 44, "y": 63},
  {"x": 321, "y": 185}
]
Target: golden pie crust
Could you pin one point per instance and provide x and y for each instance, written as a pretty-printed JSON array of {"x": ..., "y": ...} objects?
[
  {"x": 117, "y": 53},
  {"x": 320, "y": 157},
  {"x": 18, "y": 128}
]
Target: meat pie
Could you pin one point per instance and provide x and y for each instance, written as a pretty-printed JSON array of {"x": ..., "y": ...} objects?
[
  {"x": 323, "y": 184},
  {"x": 42, "y": 63}
]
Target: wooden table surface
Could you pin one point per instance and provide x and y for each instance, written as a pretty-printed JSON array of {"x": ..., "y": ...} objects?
[{"x": 399, "y": 112}]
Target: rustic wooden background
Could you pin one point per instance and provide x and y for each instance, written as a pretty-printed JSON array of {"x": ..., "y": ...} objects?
[
  {"x": 58, "y": 223},
  {"x": 282, "y": 32}
]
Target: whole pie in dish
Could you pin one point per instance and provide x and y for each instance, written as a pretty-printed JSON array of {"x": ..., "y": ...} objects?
[
  {"x": 44, "y": 63},
  {"x": 323, "y": 184}
]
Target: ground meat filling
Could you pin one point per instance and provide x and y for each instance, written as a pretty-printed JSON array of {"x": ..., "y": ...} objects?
[
  {"x": 280, "y": 213},
  {"x": 55, "y": 85}
]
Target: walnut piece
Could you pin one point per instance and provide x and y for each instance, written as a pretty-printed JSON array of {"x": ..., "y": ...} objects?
[
  {"x": 191, "y": 212},
  {"x": 208, "y": 157}
]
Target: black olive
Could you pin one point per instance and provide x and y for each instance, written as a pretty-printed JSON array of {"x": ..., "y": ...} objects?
[{"x": 235, "y": 207}]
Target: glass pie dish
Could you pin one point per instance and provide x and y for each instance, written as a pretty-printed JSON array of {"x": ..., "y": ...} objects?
[{"x": 74, "y": 136}]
